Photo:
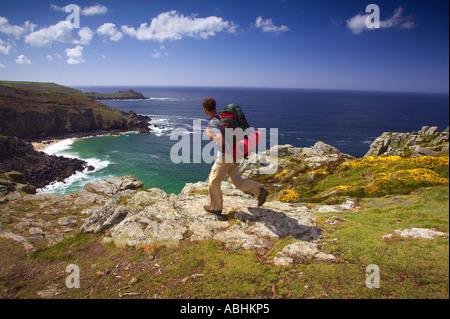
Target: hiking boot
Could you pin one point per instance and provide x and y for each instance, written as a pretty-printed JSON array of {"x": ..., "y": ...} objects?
[
  {"x": 209, "y": 210},
  {"x": 262, "y": 197}
]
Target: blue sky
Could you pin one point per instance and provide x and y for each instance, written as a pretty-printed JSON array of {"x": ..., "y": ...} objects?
[{"x": 292, "y": 44}]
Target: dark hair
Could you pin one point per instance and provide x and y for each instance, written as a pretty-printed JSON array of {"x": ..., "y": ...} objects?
[{"x": 209, "y": 104}]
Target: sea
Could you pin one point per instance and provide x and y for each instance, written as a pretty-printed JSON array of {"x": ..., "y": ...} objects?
[{"x": 347, "y": 120}]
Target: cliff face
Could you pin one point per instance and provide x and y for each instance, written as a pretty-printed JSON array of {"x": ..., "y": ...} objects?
[
  {"x": 34, "y": 114},
  {"x": 23, "y": 168}
]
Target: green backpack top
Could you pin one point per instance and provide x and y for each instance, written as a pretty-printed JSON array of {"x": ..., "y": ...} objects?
[{"x": 233, "y": 117}]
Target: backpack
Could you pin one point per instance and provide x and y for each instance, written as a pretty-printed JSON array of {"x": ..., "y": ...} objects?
[{"x": 233, "y": 117}]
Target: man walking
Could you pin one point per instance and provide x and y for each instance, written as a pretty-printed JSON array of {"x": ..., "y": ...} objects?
[{"x": 221, "y": 167}]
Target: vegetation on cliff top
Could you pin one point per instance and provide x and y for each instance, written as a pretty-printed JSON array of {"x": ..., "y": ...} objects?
[
  {"x": 360, "y": 178},
  {"x": 53, "y": 87}
]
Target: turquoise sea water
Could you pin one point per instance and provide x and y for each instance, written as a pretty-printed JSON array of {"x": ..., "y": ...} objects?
[{"x": 347, "y": 120}]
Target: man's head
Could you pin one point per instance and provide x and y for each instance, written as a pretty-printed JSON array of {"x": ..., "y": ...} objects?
[{"x": 209, "y": 106}]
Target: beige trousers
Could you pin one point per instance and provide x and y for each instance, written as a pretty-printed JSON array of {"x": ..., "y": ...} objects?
[{"x": 218, "y": 172}]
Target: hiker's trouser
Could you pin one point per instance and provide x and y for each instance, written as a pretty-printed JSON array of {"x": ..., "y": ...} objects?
[{"x": 218, "y": 172}]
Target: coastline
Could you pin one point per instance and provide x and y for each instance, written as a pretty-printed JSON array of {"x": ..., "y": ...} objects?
[{"x": 42, "y": 145}]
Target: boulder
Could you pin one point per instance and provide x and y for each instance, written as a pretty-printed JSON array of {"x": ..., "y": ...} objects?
[
  {"x": 105, "y": 217},
  {"x": 113, "y": 186},
  {"x": 419, "y": 233}
]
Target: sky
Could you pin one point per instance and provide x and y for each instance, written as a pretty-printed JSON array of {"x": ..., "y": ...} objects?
[{"x": 314, "y": 44}]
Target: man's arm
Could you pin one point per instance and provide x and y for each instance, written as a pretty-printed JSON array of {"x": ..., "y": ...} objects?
[{"x": 217, "y": 138}]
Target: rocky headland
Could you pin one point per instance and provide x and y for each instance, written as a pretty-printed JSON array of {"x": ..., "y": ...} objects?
[{"x": 36, "y": 115}]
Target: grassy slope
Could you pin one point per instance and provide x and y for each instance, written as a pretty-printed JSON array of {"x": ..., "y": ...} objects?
[
  {"x": 49, "y": 87},
  {"x": 30, "y": 101},
  {"x": 408, "y": 268},
  {"x": 40, "y": 86}
]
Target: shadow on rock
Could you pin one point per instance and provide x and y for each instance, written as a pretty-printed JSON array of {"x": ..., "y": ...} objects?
[{"x": 280, "y": 224}]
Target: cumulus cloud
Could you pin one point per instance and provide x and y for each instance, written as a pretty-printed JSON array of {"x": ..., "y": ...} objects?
[
  {"x": 5, "y": 47},
  {"x": 85, "y": 35},
  {"x": 110, "y": 31},
  {"x": 60, "y": 32},
  {"x": 357, "y": 24},
  {"x": 22, "y": 59},
  {"x": 266, "y": 25},
  {"x": 75, "y": 55},
  {"x": 15, "y": 30},
  {"x": 2, "y": 66},
  {"x": 96, "y": 9},
  {"x": 174, "y": 26}
]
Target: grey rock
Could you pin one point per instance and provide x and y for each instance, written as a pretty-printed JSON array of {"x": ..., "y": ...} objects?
[
  {"x": 104, "y": 217},
  {"x": 113, "y": 186},
  {"x": 419, "y": 233},
  {"x": 421, "y": 151}
]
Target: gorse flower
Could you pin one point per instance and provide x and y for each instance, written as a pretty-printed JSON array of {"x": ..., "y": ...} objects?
[
  {"x": 394, "y": 174},
  {"x": 290, "y": 195}
]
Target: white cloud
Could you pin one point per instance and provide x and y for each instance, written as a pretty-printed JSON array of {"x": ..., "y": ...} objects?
[
  {"x": 15, "y": 30},
  {"x": 161, "y": 52},
  {"x": 97, "y": 9},
  {"x": 357, "y": 24},
  {"x": 85, "y": 35},
  {"x": 109, "y": 30},
  {"x": 22, "y": 59},
  {"x": 174, "y": 26},
  {"x": 51, "y": 56},
  {"x": 5, "y": 47},
  {"x": 60, "y": 32},
  {"x": 94, "y": 10},
  {"x": 75, "y": 55},
  {"x": 267, "y": 25},
  {"x": 2, "y": 66}
]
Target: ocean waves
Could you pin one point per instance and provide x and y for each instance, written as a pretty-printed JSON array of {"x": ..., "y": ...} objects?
[{"x": 80, "y": 178}]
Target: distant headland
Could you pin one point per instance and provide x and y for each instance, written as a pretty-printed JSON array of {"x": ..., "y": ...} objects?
[{"x": 49, "y": 86}]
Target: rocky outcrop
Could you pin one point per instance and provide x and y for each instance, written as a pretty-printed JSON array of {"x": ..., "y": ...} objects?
[
  {"x": 153, "y": 216},
  {"x": 271, "y": 160},
  {"x": 428, "y": 141},
  {"x": 23, "y": 168},
  {"x": 119, "y": 95}
]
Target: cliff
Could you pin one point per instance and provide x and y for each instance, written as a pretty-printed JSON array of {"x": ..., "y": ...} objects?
[
  {"x": 24, "y": 169},
  {"x": 35, "y": 114}
]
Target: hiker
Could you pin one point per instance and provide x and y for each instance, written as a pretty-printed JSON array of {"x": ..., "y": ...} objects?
[{"x": 221, "y": 167}]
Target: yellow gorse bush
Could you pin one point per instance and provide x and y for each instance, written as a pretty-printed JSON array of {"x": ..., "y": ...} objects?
[
  {"x": 395, "y": 172},
  {"x": 281, "y": 173},
  {"x": 386, "y": 162},
  {"x": 421, "y": 175},
  {"x": 290, "y": 195}
]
